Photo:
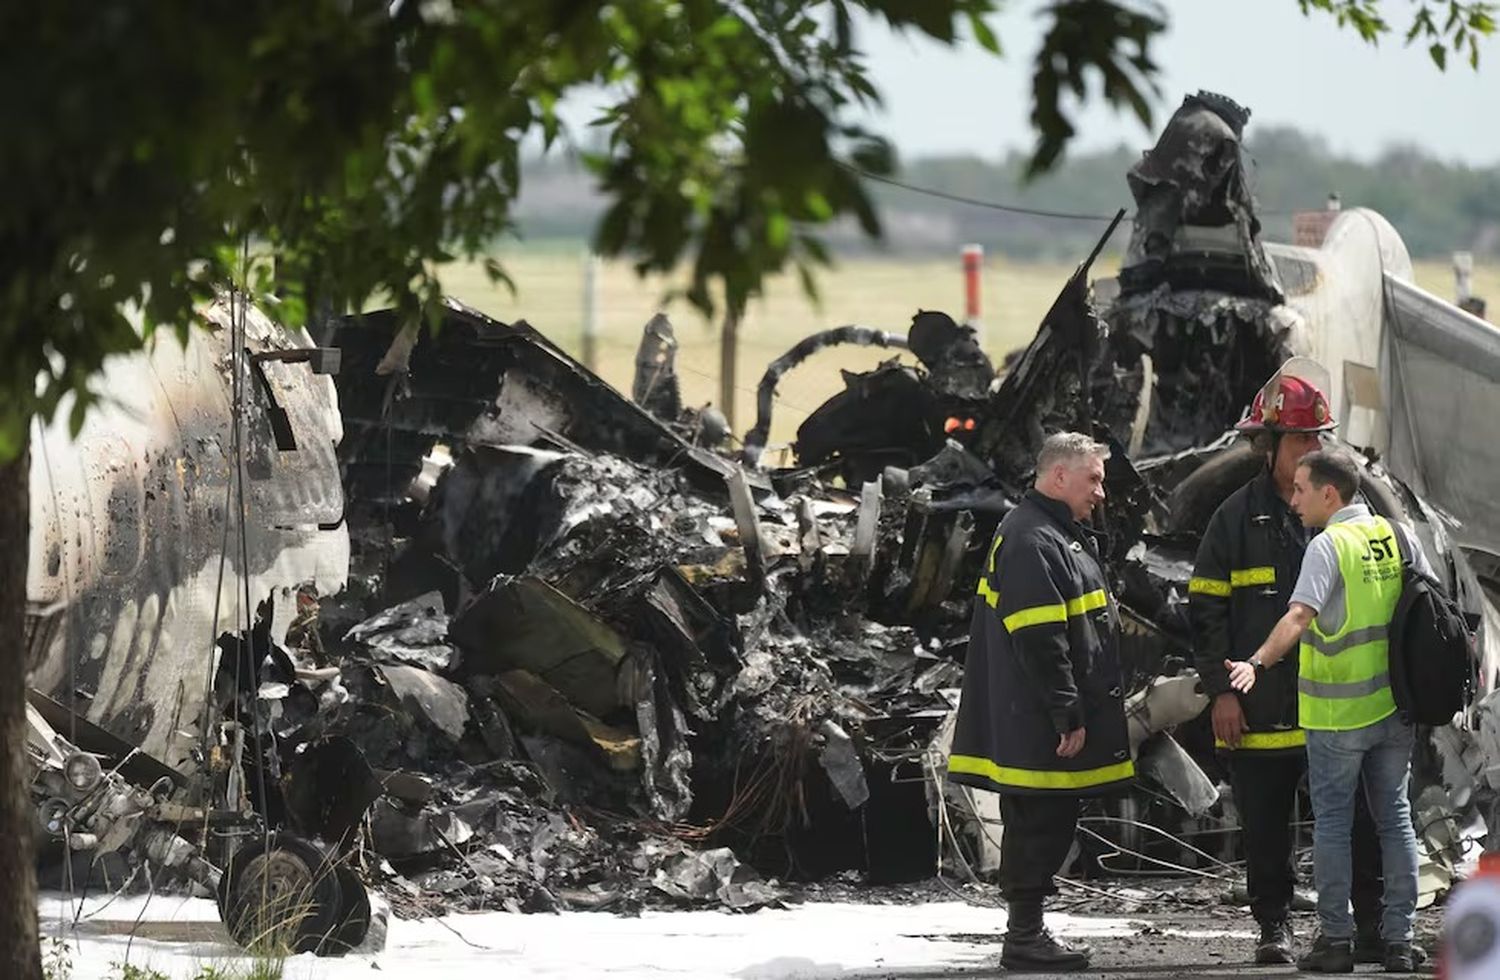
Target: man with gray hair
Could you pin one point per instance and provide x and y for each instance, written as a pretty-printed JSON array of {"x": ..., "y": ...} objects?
[{"x": 1041, "y": 720}]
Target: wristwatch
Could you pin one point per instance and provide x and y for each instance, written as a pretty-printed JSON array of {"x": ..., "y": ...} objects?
[{"x": 1255, "y": 662}]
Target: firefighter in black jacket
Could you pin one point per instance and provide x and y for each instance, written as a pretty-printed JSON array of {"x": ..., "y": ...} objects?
[
  {"x": 1242, "y": 580},
  {"x": 1042, "y": 718}
]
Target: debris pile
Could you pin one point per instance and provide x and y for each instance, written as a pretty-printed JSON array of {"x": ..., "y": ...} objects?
[
  {"x": 532, "y": 645},
  {"x": 606, "y": 667},
  {"x": 634, "y": 664},
  {"x": 496, "y": 836},
  {"x": 595, "y": 663}
]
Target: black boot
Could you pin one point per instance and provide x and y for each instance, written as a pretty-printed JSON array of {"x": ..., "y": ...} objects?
[
  {"x": 1029, "y": 946},
  {"x": 1400, "y": 958},
  {"x": 1368, "y": 946},
  {"x": 1275, "y": 945},
  {"x": 1328, "y": 956}
]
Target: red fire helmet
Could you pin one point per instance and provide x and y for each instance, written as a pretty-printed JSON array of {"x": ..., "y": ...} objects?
[{"x": 1292, "y": 401}]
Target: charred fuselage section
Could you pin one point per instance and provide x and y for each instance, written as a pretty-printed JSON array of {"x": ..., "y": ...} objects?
[{"x": 532, "y": 645}]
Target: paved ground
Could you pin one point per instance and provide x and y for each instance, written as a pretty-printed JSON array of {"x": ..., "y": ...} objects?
[
  {"x": 815, "y": 940},
  {"x": 1180, "y": 945}
]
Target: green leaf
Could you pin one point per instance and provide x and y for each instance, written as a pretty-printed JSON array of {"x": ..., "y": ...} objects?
[
  {"x": 983, "y": 34},
  {"x": 809, "y": 281},
  {"x": 424, "y": 93},
  {"x": 843, "y": 27},
  {"x": 1439, "y": 55},
  {"x": 726, "y": 27},
  {"x": 818, "y": 207},
  {"x": 361, "y": 143},
  {"x": 778, "y": 229},
  {"x": 80, "y": 412}
]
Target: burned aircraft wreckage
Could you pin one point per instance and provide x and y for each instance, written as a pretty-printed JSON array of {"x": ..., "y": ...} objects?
[{"x": 448, "y": 614}]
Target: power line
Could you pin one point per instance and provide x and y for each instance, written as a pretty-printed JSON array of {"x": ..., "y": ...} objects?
[
  {"x": 974, "y": 201},
  {"x": 1012, "y": 208}
]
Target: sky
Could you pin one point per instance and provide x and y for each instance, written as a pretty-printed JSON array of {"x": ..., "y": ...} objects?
[{"x": 1288, "y": 68}]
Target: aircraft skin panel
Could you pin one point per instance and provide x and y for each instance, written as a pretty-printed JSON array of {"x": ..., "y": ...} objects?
[
  {"x": 1335, "y": 291},
  {"x": 129, "y": 518},
  {"x": 1443, "y": 398}
]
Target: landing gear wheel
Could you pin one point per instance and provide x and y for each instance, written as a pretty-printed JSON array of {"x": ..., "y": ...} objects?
[
  {"x": 1196, "y": 498},
  {"x": 354, "y": 915},
  {"x": 279, "y": 894}
]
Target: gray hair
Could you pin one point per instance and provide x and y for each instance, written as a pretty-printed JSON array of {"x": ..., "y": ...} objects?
[{"x": 1069, "y": 448}]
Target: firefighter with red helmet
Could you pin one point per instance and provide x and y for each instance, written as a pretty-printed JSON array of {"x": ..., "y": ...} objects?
[
  {"x": 1247, "y": 563},
  {"x": 1296, "y": 406}
]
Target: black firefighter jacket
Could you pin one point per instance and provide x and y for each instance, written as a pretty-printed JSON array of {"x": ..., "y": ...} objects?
[
  {"x": 1242, "y": 581},
  {"x": 1043, "y": 660}
]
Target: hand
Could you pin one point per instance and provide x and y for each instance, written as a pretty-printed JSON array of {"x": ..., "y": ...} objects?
[
  {"x": 1241, "y": 675},
  {"x": 1229, "y": 719},
  {"x": 1070, "y": 744}
]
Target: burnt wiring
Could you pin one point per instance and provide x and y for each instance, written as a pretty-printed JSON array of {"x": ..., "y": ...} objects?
[
  {"x": 1120, "y": 849},
  {"x": 141, "y": 915},
  {"x": 943, "y": 825},
  {"x": 130, "y": 880},
  {"x": 769, "y": 791},
  {"x": 239, "y": 313},
  {"x": 1142, "y": 825}
]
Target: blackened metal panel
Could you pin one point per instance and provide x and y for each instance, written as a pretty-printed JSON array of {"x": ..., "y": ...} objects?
[{"x": 129, "y": 523}]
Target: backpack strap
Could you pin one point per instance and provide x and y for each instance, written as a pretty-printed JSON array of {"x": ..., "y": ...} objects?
[{"x": 1406, "y": 548}]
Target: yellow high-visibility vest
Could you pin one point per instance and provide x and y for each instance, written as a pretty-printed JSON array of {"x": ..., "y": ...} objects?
[{"x": 1344, "y": 681}]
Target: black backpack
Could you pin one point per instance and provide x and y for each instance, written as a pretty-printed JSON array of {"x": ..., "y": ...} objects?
[{"x": 1431, "y": 649}]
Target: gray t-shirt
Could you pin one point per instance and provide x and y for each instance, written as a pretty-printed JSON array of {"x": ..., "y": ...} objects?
[{"x": 1320, "y": 585}]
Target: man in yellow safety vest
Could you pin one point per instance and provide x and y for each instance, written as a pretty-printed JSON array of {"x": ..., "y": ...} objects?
[
  {"x": 1248, "y": 560},
  {"x": 1339, "y": 617}
]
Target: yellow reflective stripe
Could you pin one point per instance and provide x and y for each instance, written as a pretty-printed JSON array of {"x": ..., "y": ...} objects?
[
  {"x": 1208, "y": 586},
  {"x": 1239, "y": 578},
  {"x": 1040, "y": 778},
  {"x": 990, "y": 596},
  {"x": 1289, "y": 739},
  {"x": 1057, "y": 612},
  {"x": 1087, "y": 602},
  {"x": 1036, "y": 616}
]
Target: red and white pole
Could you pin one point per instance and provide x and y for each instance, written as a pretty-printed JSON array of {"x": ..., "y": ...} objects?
[{"x": 973, "y": 264}]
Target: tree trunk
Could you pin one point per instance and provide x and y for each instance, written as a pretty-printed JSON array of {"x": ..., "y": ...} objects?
[
  {"x": 729, "y": 349},
  {"x": 20, "y": 954}
]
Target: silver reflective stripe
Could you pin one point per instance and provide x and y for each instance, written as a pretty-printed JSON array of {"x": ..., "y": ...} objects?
[
  {"x": 1350, "y": 689},
  {"x": 1353, "y": 638}
]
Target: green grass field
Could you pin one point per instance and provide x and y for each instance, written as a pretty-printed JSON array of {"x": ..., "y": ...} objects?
[{"x": 874, "y": 292}]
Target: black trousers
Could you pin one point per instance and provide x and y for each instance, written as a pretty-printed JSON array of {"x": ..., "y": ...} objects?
[
  {"x": 1037, "y": 835},
  {"x": 1265, "y": 791}
]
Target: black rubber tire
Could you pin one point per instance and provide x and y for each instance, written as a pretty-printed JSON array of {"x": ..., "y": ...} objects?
[
  {"x": 354, "y": 915},
  {"x": 1195, "y": 499},
  {"x": 1384, "y": 499},
  {"x": 303, "y": 885}
]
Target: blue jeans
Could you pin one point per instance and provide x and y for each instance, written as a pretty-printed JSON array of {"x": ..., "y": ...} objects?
[{"x": 1335, "y": 760}]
